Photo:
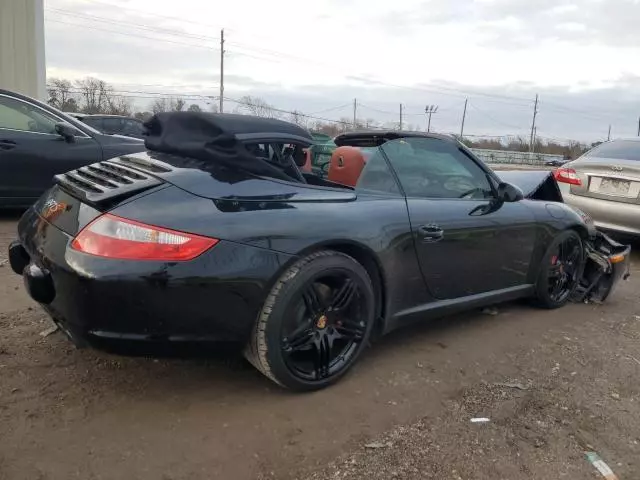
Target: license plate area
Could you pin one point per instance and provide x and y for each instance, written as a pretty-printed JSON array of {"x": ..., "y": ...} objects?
[{"x": 614, "y": 187}]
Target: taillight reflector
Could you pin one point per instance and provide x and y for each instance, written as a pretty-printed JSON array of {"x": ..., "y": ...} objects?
[
  {"x": 567, "y": 175},
  {"x": 120, "y": 238}
]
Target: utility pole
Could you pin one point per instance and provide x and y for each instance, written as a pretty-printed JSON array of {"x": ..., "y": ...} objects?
[
  {"x": 609, "y": 134},
  {"x": 464, "y": 115},
  {"x": 639, "y": 126},
  {"x": 400, "y": 116},
  {"x": 222, "y": 70},
  {"x": 533, "y": 125},
  {"x": 355, "y": 112},
  {"x": 430, "y": 110}
]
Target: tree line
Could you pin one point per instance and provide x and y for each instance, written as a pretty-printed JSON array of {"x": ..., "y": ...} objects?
[{"x": 95, "y": 96}]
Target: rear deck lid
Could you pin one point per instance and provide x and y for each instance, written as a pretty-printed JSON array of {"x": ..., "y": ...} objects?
[{"x": 106, "y": 184}]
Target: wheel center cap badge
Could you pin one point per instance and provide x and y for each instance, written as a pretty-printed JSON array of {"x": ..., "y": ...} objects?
[{"x": 322, "y": 322}]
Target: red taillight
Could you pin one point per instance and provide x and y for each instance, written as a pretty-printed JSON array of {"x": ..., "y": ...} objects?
[
  {"x": 567, "y": 175},
  {"x": 115, "y": 237}
]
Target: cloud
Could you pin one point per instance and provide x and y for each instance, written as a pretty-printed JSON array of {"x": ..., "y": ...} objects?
[{"x": 498, "y": 53}]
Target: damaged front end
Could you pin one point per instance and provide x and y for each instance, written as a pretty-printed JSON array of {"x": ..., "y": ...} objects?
[{"x": 606, "y": 261}]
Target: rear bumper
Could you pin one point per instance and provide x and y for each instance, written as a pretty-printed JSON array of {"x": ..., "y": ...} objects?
[
  {"x": 606, "y": 214},
  {"x": 215, "y": 297}
]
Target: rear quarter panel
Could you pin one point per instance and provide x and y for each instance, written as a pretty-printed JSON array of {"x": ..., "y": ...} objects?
[{"x": 378, "y": 225}]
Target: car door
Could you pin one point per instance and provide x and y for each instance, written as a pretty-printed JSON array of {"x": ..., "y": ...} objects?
[
  {"x": 467, "y": 242},
  {"x": 31, "y": 152}
]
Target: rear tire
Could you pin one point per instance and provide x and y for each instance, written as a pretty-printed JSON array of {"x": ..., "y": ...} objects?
[
  {"x": 562, "y": 267},
  {"x": 315, "y": 323}
]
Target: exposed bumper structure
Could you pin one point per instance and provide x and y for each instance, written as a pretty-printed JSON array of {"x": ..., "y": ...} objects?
[{"x": 607, "y": 263}]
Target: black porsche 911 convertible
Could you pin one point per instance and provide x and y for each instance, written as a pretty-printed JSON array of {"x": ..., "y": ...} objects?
[{"x": 214, "y": 234}]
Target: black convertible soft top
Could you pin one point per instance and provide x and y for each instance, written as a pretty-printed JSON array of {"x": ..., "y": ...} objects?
[{"x": 221, "y": 138}]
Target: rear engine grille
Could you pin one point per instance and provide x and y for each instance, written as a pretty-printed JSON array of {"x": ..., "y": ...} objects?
[
  {"x": 105, "y": 181},
  {"x": 154, "y": 166}
]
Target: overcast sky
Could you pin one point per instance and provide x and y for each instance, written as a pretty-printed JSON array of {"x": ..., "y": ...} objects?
[{"x": 580, "y": 56}]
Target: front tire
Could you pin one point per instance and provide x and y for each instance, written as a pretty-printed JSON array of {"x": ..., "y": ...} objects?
[
  {"x": 562, "y": 267},
  {"x": 315, "y": 323}
]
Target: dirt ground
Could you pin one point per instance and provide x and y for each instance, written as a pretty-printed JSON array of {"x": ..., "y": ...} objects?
[{"x": 552, "y": 384}]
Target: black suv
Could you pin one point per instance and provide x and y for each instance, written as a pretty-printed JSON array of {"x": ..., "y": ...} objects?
[
  {"x": 112, "y": 124},
  {"x": 38, "y": 141}
]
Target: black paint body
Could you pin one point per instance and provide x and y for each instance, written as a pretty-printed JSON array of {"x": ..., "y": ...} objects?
[{"x": 490, "y": 252}]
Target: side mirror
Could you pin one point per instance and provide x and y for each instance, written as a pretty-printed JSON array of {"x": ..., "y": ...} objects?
[
  {"x": 66, "y": 131},
  {"x": 509, "y": 193}
]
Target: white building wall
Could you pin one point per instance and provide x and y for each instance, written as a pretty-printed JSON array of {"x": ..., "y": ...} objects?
[{"x": 22, "y": 56}]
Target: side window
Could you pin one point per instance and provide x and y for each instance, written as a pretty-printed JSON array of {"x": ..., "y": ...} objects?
[
  {"x": 94, "y": 122},
  {"x": 434, "y": 168},
  {"x": 133, "y": 127},
  {"x": 112, "y": 125},
  {"x": 18, "y": 115},
  {"x": 376, "y": 175}
]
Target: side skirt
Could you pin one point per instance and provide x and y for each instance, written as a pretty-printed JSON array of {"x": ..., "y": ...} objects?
[{"x": 442, "y": 308}]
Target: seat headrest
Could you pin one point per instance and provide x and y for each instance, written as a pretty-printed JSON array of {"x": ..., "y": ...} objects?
[{"x": 346, "y": 165}]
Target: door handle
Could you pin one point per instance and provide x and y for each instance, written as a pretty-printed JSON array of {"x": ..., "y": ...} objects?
[
  {"x": 7, "y": 144},
  {"x": 431, "y": 233}
]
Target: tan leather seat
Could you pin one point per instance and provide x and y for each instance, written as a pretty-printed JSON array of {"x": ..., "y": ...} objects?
[{"x": 346, "y": 165}]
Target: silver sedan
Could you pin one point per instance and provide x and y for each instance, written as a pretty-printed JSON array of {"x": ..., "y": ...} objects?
[{"x": 605, "y": 183}]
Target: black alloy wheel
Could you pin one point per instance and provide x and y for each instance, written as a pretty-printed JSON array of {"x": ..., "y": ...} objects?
[
  {"x": 562, "y": 268},
  {"x": 326, "y": 326},
  {"x": 315, "y": 322}
]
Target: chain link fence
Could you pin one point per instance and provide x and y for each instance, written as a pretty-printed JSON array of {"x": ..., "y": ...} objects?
[{"x": 516, "y": 158}]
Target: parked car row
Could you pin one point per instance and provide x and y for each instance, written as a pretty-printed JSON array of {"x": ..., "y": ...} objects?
[
  {"x": 112, "y": 124},
  {"x": 38, "y": 141}
]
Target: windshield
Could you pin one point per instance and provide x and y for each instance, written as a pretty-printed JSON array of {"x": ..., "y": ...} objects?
[{"x": 619, "y": 149}]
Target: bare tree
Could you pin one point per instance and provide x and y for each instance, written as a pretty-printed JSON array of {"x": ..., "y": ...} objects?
[
  {"x": 299, "y": 118},
  {"x": 167, "y": 104},
  {"x": 119, "y": 105},
  {"x": 178, "y": 104},
  {"x": 258, "y": 107},
  {"x": 94, "y": 94},
  {"x": 61, "y": 95},
  {"x": 144, "y": 116},
  {"x": 159, "y": 105}
]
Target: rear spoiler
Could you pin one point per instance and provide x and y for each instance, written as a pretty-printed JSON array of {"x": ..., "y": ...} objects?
[{"x": 535, "y": 184}]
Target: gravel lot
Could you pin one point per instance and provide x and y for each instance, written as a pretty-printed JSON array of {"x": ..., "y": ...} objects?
[{"x": 552, "y": 384}]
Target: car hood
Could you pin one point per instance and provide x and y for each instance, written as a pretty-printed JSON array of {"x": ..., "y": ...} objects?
[{"x": 535, "y": 184}]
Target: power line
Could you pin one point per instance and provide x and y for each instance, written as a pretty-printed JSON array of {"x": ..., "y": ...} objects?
[
  {"x": 494, "y": 119},
  {"x": 139, "y": 26},
  {"x": 158, "y": 95},
  {"x": 439, "y": 89},
  {"x": 129, "y": 34},
  {"x": 175, "y": 19}
]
